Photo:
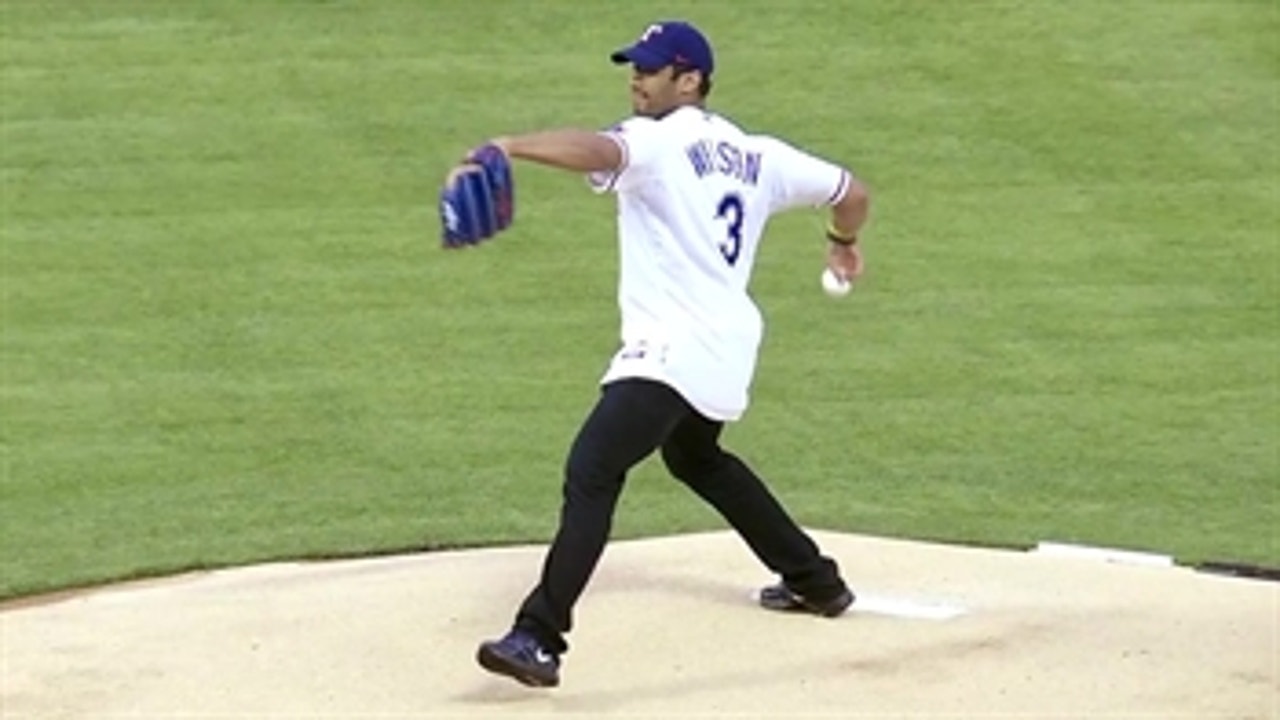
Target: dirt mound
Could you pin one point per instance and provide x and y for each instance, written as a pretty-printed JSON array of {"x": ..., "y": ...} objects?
[{"x": 667, "y": 629}]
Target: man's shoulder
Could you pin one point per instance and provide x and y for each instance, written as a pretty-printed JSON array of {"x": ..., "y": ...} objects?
[
  {"x": 747, "y": 135},
  {"x": 635, "y": 123},
  {"x": 689, "y": 118}
]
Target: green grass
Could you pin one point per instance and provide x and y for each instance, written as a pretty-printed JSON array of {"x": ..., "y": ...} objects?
[{"x": 228, "y": 333}]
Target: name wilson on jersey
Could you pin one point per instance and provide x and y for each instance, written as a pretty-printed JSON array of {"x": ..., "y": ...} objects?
[{"x": 725, "y": 158}]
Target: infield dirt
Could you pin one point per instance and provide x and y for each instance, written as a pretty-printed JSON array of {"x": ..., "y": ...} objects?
[{"x": 667, "y": 629}]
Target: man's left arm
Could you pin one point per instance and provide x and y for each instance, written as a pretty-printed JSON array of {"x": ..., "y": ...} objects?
[
  {"x": 478, "y": 198},
  {"x": 581, "y": 151}
]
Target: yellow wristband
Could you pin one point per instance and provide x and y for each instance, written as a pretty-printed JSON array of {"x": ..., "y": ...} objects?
[{"x": 836, "y": 237}]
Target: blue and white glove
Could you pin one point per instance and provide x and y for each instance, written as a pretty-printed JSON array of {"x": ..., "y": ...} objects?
[{"x": 478, "y": 198}]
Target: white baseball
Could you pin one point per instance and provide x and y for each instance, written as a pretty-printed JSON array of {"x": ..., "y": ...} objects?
[{"x": 833, "y": 285}]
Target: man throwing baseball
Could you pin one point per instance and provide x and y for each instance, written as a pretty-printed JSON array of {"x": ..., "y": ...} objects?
[{"x": 694, "y": 193}]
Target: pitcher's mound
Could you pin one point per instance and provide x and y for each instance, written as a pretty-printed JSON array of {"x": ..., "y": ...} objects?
[{"x": 667, "y": 629}]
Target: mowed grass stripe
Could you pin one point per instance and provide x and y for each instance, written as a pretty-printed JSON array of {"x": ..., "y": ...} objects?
[{"x": 229, "y": 335}]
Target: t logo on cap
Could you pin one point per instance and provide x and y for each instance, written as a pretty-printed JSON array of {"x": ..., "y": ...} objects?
[{"x": 673, "y": 42}]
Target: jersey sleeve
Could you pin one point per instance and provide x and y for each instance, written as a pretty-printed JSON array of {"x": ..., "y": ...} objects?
[
  {"x": 798, "y": 179},
  {"x": 640, "y": 140}
]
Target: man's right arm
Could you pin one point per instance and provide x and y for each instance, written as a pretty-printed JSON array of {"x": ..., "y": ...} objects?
[
  {"x": 849, "y": 213},
  {"x": 802, "y": 179}
]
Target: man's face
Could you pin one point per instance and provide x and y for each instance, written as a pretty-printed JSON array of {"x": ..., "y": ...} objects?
[{"x": 656, "y": 92}]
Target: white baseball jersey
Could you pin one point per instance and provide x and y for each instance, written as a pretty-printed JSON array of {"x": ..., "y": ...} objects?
[{"x": 694, "y": 195}]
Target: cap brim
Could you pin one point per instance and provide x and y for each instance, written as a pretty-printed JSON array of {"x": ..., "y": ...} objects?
[{"x": 642, "y": 58}]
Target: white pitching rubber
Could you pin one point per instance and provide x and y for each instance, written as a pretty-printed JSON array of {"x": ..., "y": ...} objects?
[
  {"x": 909, "y": 609},
  {"x": 1110, "y": 555}
]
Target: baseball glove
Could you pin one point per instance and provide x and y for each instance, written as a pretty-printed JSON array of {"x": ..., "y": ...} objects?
[{"x": 478, "y": 198}]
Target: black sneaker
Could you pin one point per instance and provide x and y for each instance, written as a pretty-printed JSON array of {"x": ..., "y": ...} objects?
[
  {"x": 520, "y": 656},
  {"x": 782, "y": 598}
]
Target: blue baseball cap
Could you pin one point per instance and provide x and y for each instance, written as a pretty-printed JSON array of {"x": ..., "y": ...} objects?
[{"x": 672, "y": 42}]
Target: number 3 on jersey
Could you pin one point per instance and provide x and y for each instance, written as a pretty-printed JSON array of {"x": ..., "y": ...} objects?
[{"x": 730, "y": 208}]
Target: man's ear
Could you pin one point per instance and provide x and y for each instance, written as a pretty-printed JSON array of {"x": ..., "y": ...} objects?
[{"x": 689, "y": 81}]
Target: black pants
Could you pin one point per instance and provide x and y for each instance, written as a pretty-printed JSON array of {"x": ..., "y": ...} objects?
[{"x": 632, "y": 419}]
